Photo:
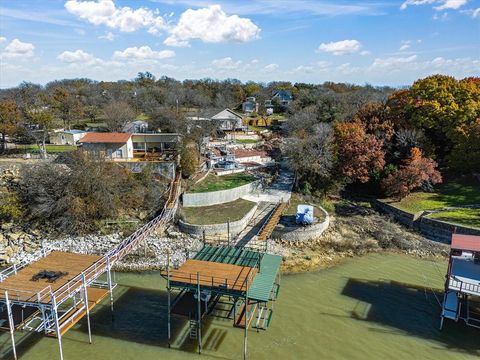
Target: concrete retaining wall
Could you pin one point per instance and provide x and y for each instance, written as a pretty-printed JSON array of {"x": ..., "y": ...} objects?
[
  {"x": 301, "y": 233},
  {"x": 430, "y": 228},
  {"x": 236, "y": 227},
  {"x": 166, "y": 169},
  {"x": 218, "y": 197}
]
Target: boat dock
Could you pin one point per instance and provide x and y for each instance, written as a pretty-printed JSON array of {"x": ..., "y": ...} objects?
[
  {"x": 243, "y": 281},
  {"x": 462, "y": 286}
]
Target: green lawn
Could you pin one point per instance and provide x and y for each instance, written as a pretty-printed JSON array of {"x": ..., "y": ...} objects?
[
  {"x": 214, "y": 183},
  {"x": 217, "y": 214},
  {"x": 246, "y": 141},
  {"x": 468, "y": 217},
  {"x": 50, "y": 148},
  {"x": 451, "y": 193}
]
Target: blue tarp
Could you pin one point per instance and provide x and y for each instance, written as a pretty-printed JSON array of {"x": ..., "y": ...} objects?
[{"x": 304, "y": 214}]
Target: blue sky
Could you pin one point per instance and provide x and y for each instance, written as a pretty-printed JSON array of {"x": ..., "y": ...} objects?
[{"x": 383, "y": 42}]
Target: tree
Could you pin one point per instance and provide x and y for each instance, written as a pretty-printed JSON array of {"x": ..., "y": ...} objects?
[
  {"x": 189, "y": 156},
  {"x": 67, "y": 106},
  {"x": 117, "y": 115},
  {"x": 358, "y": 153},
  {"x": 415, "y": 172},
  {"x": 9, "y": 120},
  {"x": 465, "y": 155},
  {"x": 311, "y": 156},
  {"x": 42, "y": 118}
]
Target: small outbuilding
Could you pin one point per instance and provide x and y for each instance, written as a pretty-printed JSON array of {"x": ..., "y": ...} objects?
[{"x": 67, "y": 137}]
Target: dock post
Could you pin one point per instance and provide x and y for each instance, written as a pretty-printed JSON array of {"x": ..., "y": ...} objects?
[
  {"x": 168, "y": 297},
  {"x": 228, "y": 231},
  {"x": 204, "y": 238},
  {"x": 246, "y": 322},
  {"x": 11, "y": 324},
  {"x": 85, "y": 299},
  {"x": 57, "y": 324},
  {"x": 110, "y": 286},
  {"x": 199, "y": 309}
]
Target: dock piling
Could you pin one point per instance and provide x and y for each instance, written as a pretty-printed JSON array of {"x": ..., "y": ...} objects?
[{"x": 11, "y": 324}]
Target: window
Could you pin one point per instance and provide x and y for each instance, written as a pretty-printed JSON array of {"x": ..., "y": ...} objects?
[{"x": 119, "y": 153}]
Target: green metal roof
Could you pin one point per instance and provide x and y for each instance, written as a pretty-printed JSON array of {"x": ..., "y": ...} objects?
[
  {"x": 229, "y": 255},
  {"x": 264, "y": 280}
]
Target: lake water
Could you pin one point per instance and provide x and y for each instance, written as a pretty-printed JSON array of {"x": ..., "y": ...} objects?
[{"x": 373, "y": 307}]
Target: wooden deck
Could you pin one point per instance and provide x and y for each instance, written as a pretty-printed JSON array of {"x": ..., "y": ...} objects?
[
  {"x": 21, "y": 286},
  {"x": 213, "y": 274}
]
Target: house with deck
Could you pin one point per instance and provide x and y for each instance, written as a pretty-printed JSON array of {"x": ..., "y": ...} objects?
[{"x": 282, "y": 97}]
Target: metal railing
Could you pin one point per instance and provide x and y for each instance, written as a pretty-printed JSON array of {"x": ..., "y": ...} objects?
[{"x": 462, "y": 286}]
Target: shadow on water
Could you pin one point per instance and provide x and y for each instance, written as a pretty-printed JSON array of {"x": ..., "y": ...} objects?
[
  {"x": 411, "y": 309},
  {"x": 140, "y": 316},
  {"x": 24, "y": 341}
]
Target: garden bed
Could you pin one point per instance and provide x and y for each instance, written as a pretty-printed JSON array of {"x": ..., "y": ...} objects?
[
  {"x": 216, "y": 183},
  {"x": 216, "y": 214}
]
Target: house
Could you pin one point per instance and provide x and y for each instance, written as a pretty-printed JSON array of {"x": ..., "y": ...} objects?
[
  {"x": 67, "y": 137},
  {"x": 135, "y": 147},
  {"x": 283, "y": 97},
  {"x": 111, "y": 145},
  {"x": 137, "y": 126},
  {"x": 228, "y": 120},
  {"x": 250, "y": 105}
]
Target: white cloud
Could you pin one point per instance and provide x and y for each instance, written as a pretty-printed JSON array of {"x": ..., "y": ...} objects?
[
  {"x": 107, "y": 36},
  {"x": 305, "y": 69},
  {"x": 3, "y": 39},
  {"x": 476, "y": 13},
  {"x": 343, "y": 47},
  {"x": 142, "y": 53},
  {"x": 270, "y": 67},
  {"x": 441, "y": 4},
  {"x": 126, "y": 19},
  {"x": 77, "y": 56},
  {"x": 16, "y": 48},
  {"x": 211, "y": 25},
  {"x": 392, "y": 63},
  {"x": 226, "y": 63},
  {"x": 405, "y": 45}
]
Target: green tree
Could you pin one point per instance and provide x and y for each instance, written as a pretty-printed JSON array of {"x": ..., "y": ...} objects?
[
  {"x": 465, "y": 156},
  {"x": 189, "y": 157},
  {"x": 42, "y": 118},
  {"x": 9, "y": 120}
]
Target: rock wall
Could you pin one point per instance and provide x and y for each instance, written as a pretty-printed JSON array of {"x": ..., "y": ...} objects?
[
  {"x": 236, "y": 227},
  {"x": 301, "y": 233},
  {"x": 430, "y": 228},
  {"x": 218, "y": 197}
]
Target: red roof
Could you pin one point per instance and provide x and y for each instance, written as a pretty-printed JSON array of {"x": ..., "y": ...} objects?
[
  {"x": 465, "y": 242},
  {"x": 106, "y": 137}
]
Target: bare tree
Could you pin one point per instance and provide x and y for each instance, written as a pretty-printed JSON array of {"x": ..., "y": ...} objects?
[{"x": 117, "y": 115}]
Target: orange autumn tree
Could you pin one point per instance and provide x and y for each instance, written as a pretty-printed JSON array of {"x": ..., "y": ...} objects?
[
  {"x": 358, "y": 153},
  {"x": 415, "y": 171}
]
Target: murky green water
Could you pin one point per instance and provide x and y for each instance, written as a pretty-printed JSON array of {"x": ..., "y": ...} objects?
[{"x": 373, "y": 307}]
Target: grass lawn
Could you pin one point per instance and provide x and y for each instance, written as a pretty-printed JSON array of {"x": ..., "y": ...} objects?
[
  {"x": 217, "y": 214},
  {"x": 246, "y": 141},
  {"x": 214, "y": 183},
  {"x": 468, "y": 217},
  {"x": 297, "y": 199},
  {"x": 451, "y": 193},
  {"x": 50, "y": 148}
]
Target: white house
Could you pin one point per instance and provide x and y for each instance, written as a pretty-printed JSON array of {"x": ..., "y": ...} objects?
[
  {"x": 116, "y": 146},
  {"x": 228, "y": 120},
  {"x": 67, "y": 137}
]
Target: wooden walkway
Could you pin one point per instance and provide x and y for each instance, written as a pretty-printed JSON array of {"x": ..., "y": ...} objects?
[{"x": 272, "y": 221}]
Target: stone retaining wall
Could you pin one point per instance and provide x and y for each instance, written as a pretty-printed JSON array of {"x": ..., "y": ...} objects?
[
  {"x": 236, "y": 227},
  {"x": 430, "y": 228},
  {"x": 218, "y": 197},
  {"x": 301, "y": 233}
]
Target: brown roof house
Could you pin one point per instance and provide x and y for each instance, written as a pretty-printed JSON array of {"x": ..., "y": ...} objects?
[{"x": 116, "y": 146}]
